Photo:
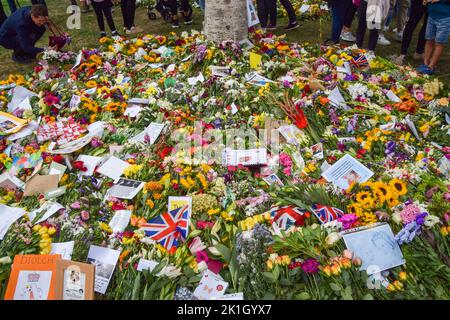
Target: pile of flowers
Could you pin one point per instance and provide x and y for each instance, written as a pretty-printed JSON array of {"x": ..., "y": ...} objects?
[{"x": 232, "y": 231}]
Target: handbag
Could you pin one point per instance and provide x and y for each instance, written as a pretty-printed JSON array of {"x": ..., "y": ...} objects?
[{"x": 58, "y": 37}]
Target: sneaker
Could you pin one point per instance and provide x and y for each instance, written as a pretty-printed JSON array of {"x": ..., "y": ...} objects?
[
  {"x": 348, "y": 36},
  {"x": 175, "y": 24},
  {"x": 188, "y": 20},
  {"x": 115, "y": 33},
  {"x": 383, "y": 41},
  {"x": 102, "y": 34},
  {"x": 418, "y": 56},
  {"x": 21, "y": 59},
  {"x": 271, "y": 27},
  {"x": 292, "y": 26},
  {"x": 425, "y": 69}
]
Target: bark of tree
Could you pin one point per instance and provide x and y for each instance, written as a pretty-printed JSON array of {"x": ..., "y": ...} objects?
[{"x": 226, "y": 20}]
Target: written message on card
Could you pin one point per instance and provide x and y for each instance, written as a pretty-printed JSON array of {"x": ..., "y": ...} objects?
[
  {"x": 104, "y": 260},
  {"x": 346, "y": 171}
]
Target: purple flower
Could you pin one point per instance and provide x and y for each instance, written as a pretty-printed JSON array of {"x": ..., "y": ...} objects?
[{"x": 310, "y": 266}]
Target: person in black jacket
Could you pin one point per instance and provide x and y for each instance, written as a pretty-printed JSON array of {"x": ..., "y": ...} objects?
[{"x": 22, "y": 30}]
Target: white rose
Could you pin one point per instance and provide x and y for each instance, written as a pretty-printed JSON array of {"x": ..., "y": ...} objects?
[
  {"x": 397, "y": 218},
  {"x": 332, "y": 238}
]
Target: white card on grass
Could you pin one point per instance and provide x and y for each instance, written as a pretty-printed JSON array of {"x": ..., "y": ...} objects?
[{"x": 113, "y": 168}]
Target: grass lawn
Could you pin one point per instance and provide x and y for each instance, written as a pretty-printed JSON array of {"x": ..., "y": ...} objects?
[{"x": 309, "y": 31}]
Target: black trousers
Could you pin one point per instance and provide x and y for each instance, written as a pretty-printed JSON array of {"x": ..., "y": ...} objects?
[
  {"x": 350, "y": 15},
  {"x": 104, "y": 9},
  {"x": 362, "y": 26},
  {"x": 417, "y": 12},
  {"x": 289, "y": 9},
  {"x": 173, "y": 5},
  {"x": 267, "y": 12},
  {"x": 128, "y": 12}
]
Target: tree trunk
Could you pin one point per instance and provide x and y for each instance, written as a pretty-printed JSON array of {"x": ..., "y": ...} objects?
[{"x": 226, "y": 20}]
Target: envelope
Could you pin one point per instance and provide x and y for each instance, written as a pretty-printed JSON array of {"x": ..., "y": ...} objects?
[{"x": 41, "y": 184}]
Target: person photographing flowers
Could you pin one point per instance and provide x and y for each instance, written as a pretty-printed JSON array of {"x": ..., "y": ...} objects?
[{"x": 22, "y": 30}]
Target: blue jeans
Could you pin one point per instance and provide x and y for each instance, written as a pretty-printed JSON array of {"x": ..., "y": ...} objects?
[
  {"x": 438, "y": 30},
  {"x": 201, "y": 3},
  {"x": 338, "y": 12}
]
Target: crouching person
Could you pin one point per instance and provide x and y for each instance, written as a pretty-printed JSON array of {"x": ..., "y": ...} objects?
[{"x": 22, "y": 30}]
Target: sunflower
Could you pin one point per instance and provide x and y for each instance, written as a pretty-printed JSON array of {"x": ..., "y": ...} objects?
[
  {"x": 362, "y": 196},
  {"x": 382, "y": 190},
  {"x": 352, "y": 208},
  {"x": 368, "y": 218},
  {"x": 398, "y": 186}
]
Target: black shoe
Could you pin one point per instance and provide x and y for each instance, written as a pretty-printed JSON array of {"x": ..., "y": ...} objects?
[
  {"x": 102, "y": 34},
  {"x": 188, "y": 20},
  {"x": 292, "y": 26},
  {"x": 175, "y": 24},
  {"x": 21, "y": 59},
  {"x": 330, "y": 42}
]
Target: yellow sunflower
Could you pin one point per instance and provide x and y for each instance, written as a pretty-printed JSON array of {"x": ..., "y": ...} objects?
[
  {"x": 398, "y": 186},
  {"x": 382, "y": 190},
  {"x": 362, "y": 196}
]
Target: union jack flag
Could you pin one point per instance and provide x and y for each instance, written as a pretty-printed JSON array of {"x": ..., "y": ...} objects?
[
  {"x": 360, "y": 61},
  {"x": 326, "y": 214},
  {"x": 169, "y": 228},
  {"x": 287, "y": 216}
]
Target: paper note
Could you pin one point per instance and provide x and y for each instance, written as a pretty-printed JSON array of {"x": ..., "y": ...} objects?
[
  {"x": 65, "y": 249},
  {"x": 125, "y": 189},
  {"x": 113, "y": 168},
  {"x": 48, "y": 209},
  {"x": 104, "y": 260},
  {"x": 57, "y": 168},
  {"x": 337, "y": 100},
  {"x": 152, "y": 132},
  {"x": 7, "y": 217},
  {"x": 211, "y": 287}
]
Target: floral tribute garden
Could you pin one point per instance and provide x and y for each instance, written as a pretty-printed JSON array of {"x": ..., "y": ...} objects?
[{"x": 280, "y": 221}]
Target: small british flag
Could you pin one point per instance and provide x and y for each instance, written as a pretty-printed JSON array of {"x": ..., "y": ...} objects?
[
  {"x": 169, "y": 228},
  {"x": 360, "y": 61},
  {"x": 326, "y": 214},
  {"x": 287, "y": 216}
]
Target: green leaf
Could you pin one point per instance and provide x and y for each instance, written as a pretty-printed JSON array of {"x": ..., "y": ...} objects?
[
  {"x": 225, "y": 252},
  {"x": 303, "y": 296},
  {"x": 335, "y": 286},
  {"x": 137, "y": 286}
]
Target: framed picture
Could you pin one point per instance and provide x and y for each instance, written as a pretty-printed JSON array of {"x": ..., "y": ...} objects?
[
  {"x": 75, "y": 280},
  {"x": 376, "y": 246}
]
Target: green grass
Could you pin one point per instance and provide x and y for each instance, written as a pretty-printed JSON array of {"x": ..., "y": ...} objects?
[{"x": 309, "y": 31}]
